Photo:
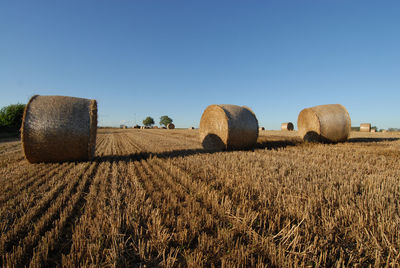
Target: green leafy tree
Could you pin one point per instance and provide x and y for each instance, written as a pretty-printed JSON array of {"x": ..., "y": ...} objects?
[
  {"x": 149, "y": 121},
  {"x": 165, "y": 120},
  {"x": 11, "y": 116}
]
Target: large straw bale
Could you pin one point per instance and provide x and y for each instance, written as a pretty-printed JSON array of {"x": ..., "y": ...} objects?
[
  {"x": 365, "y": 127},
  {"x": 228, "y": 127},
  {"x": 324, "y": 123},
  {"x": 287, "y": 126},
  {"x": 59, "y": 128},
  {"x": 261, "y": 128},
  {"x": 170, "y": 126}
]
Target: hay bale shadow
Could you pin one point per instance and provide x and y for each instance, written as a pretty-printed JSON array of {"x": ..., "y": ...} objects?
[
  {"x": 213, "y": 142},
  {"x": 366, "y": 140},
  {"x": 313, "y": 136}
]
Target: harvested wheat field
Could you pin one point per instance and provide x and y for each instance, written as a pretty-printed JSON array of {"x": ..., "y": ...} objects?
[{"x": 155, "y": 198}]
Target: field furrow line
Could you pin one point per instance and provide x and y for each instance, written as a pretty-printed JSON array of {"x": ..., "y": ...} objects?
[
  {"x": 57, "y": 241},
  {"x": 10, "y": 151},
  {"x": 42, "y": 220},
  {"x": 135, "y": 146},
  {"x": 234, "y": 221},
  {"x": 9, "y": 160},
  {"x": 34, "y": 208},
  {"x": 204, "y": 219},
  {"x": 88, "y": 230},
  {"x": 100, "y": 142},
  {"x": 105, "y": 145},
  {"x": 178, "y": 138},
  {"x": 14, "y": 188},
  {"x": 4, "y": 147},
  {"x": 152, "y": 234}
]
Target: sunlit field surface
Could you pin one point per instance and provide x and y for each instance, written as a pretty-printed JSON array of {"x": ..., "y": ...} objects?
[{"x": 155, "y": 198}]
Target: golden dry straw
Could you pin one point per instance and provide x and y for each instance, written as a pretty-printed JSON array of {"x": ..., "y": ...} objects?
[
  {"x": 365, "y": 127},
  {"x": 324, "y": 123},
  {"x": 228, "y": 127},
  {"x": 170, "y": 126},
  {"x": 287, "y": 126},
  {"x": 373, "y": 130},
  {"x": 59, "y": 128},
  {"x": 261, "y": 128},
  {"x": 155, "y": 127}
]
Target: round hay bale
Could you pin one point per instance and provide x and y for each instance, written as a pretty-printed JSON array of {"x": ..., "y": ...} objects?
[
  {"x": 324, "y": 123},
  {"x": 142, "y": 127},
  {"x": 191, "y": 128},
  {"x": 228, "y": 127},
  {"x": 155, "y": 127},
  {"x": 287, "y": 126},
  {"x": 170, "y": 126},
  {"x": 373, "y": 130},
  {"x": 365, "y": 127},
  {"x": 261, "y": 128},
  {"x": 58, "y": 128}
]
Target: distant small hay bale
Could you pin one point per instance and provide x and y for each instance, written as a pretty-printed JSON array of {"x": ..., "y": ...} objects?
[
  {"x": 365, "y": 127},
  {"x": 191, "y": 128},
  {"x": 59, "y": 128},
  {"x": 155, "y": 127},
  {"x": 385, "y": 131},
  {"x": 261, "y": 128},
  {"x": 373, "y": 130},
  {"x": 170, "y": 126},
  {"x": 142, "y": 127},
  {"x": 324, "y": 123},
  {"x": 287, "y": 126},
  {"x": 228, "y": 127}
]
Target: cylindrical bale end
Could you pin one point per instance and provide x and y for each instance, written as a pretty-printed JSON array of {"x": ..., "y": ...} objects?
[
  {"x": 59, "y": 128},
  {"x": 228, "y": 127},
  {"x": 324, "y": 123},
  {"x": 170, "y": 126},
  {"x": 261, "y": 128},
  {"x": 287, "y": 126},
  {"x": 365, "y": 127}
]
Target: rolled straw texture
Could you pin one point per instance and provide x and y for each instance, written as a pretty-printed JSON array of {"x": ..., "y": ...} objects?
[
  {"x": 287, "y": 126},
  {"x": 170, "y": 126},
  {"x": 365, "y": 127},
  {"x": 59, "y": 128},
  {"x": 228, "y": 127},
  {"x": 324, "y": 123}
]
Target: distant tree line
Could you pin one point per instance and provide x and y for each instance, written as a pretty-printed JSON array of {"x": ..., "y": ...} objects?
[
  {"x": 164, "y": 121},
  {"x": 394, "y": 129},
  {"x": 11, "y": 117}
]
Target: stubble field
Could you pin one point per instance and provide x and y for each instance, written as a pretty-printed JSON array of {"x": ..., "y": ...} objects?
[{"x": 155, "y": 198}]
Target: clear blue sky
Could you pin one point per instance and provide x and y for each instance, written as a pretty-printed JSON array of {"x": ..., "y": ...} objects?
[{"x": 139, "y": 58}]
